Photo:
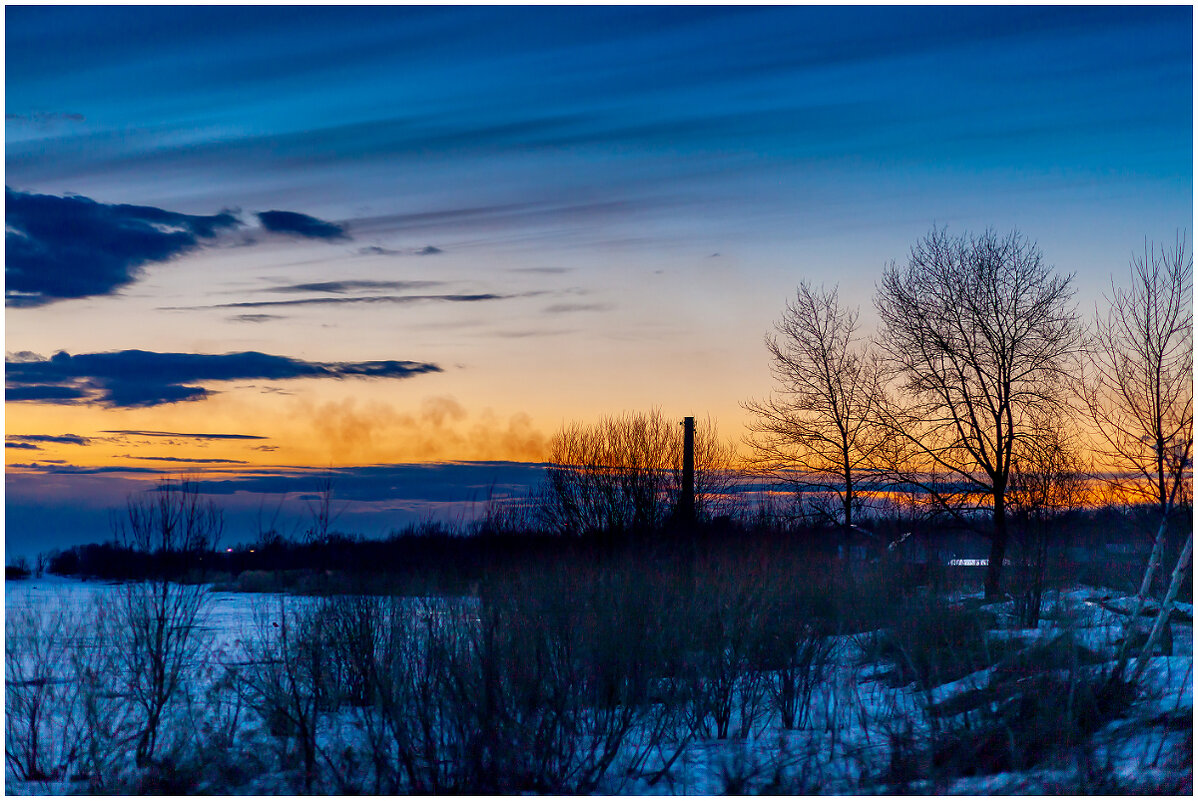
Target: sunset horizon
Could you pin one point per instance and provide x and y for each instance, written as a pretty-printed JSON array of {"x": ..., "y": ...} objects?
[{"x": 404, "y": 246}]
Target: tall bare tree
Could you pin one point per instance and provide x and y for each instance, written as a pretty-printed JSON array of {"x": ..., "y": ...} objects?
[
  {"x": 819, "y": 430},
  {"x": 1139, "y": 388},
  {"x": 1139, "y": 392},
  {"x": 977, "y": 331}
]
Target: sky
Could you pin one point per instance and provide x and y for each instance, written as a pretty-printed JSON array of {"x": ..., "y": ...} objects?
[{"x": 401, "y": 246}]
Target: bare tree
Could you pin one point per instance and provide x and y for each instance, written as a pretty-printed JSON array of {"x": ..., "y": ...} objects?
[
  {"x": 1139, "y": 393},
  {"x": 322, "y": 511},
  {"x": 159, "y": 616},
  {"x": 622, "y": 475},
  {"x": 819, "y": 430},
  {"x": 1139, "y": 388},
  {"x": 285, "y": 677},
  {"x": 977, "y": 331}
]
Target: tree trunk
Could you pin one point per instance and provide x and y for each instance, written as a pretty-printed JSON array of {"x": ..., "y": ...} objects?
[
  {"x": 848, "y": 500},
  {"x": 1154, "y": 561},
  {"x": 1162, "y": 617},
  {"x": 998, "y": 549}
]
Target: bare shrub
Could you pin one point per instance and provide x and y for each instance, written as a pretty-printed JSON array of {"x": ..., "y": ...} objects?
[
  {"x": 622, "y": 476},
  {"x": 1017, "y": 725},
  {"x": 726, "y": 637},
  {"x": 933, "y": 642},
  {"x": 43, "y": 710},
  {"x": 67, "y": 715},
  {"x": 411, "y": 744},
  {"x": 158, "y": 631},
  {"x": 285, "y": 679},
  {"x": 353, "y": 627},
  {"x": 796, "y": 656},
  {"x": 109, "y": 723},
  {"x": 549, "y": 683},
  {"x": 562, "y": 667}
]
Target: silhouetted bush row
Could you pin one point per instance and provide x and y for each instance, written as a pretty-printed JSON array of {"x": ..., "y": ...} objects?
[{"x": 1098, "y": 546}]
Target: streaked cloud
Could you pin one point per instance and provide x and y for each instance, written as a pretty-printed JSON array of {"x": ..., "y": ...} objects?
[
  {"x": 353, "y": 286},
  {"x": 256, "y": 318},
  {"x": 45, "y": 119},
  {"x": 569, "y": 308},
  {"x": 184, "y": 460},
  {"x": 184, "y": 435},
  {"x": 64, "y": 439},
  {"x": 366, "y": 299}
]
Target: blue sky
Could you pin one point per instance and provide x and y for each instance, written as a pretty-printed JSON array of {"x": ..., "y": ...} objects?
[{"x": 565, "y": 211}]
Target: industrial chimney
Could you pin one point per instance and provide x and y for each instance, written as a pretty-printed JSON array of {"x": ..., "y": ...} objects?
[{"x": 686, "y": 504}]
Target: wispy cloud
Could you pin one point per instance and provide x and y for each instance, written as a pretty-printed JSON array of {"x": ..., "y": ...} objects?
[
  {"x": 45, "y": 119},
  {"x": 136, "y": 378},
  {"x": 354, "y": 286},
  {"x": 185, "y": 435},
  {"x": 505, "y": 215},
  {"x": 569, "y": 308},
  {"x": 256, "y": 318},
  {"x": 57, "y": 467},
  {"x": 442, "y": 481},
  {"x": 542, "y": 270},
  {"x": 187, "y": 461},
  {"x": 378, "y": 250},
  {"x": 296, "y": 224},
  {"x": 366, "y": 299},
  {"x": 533, "y": 333},
  {"x": 64, "y": 439}
]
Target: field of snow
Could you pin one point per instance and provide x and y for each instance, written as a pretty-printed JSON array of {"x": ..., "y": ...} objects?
[{"x": 860, "y": 720}]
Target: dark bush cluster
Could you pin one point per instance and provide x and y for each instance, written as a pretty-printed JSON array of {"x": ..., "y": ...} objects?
[{"x": 558, "y": 678}]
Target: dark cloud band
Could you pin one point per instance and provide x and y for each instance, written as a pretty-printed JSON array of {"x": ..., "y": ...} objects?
[
  {"x": 137, "y": 378},
  {"x": 57, "y": 248},
  {"x": 62, "y": 248}
]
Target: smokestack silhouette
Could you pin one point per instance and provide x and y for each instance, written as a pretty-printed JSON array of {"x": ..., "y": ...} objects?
[{"x": 686, "y": 504}]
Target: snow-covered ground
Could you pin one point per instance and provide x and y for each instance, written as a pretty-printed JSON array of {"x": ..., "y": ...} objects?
[{"x": 857, "y": 724}]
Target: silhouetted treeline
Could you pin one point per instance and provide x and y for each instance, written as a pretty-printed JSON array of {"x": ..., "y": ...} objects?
[{"x": 441, "y": 558}]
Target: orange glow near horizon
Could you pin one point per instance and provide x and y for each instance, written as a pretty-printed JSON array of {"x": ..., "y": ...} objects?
[{"x": 317, "y": 424}]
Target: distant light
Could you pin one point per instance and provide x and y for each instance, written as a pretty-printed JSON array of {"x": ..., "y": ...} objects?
[
  {"x": 251, "y": 550},
  {"x": 228, "y": 550}
]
